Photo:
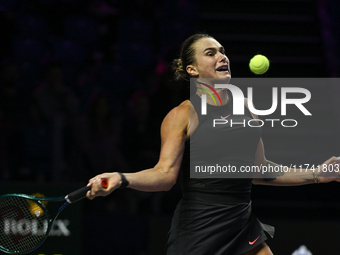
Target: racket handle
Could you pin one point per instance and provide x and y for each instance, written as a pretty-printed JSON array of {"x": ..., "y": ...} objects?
[
  {"x": 81, "y": 193},
  {"x": 105, "y": 184}
]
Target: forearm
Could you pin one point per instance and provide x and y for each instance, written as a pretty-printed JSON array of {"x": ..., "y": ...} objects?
[
  {"x": 286, "y": 176},
  {"x": 153, "y": 179}
]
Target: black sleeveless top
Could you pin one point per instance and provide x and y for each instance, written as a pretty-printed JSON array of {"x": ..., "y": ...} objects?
[{"x": 228, "y": 144}]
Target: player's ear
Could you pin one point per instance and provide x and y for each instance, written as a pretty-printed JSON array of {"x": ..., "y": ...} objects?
[{"x": 192, "y": 70}]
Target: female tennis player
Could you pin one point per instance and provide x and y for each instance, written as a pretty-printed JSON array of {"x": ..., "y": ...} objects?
[{"x": 214, "y": 215}]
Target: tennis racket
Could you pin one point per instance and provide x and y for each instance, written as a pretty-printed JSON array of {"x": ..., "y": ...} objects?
[{"x": 25, "y": 222}]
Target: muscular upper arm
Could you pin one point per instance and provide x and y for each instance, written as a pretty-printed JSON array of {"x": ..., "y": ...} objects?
[{"x": 174, "y": 133}]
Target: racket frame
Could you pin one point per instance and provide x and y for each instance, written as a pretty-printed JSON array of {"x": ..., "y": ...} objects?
[
  {"x": 49, "y": 219},
  {"x": 70, "y": 198}
]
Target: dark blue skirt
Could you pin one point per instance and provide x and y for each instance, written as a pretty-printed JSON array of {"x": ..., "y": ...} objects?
[{"x": 205, "y": 228}]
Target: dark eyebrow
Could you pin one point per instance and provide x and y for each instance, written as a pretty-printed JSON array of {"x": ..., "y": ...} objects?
[{"x": 213, "y": 49}]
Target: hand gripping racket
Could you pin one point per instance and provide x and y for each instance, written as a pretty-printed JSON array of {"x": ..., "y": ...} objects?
[{"x": 25, "y": 222}]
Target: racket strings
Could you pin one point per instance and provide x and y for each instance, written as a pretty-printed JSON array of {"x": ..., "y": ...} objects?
[{"x": 23, "y": 224}]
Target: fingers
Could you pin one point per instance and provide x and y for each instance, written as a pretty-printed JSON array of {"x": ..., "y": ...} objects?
[
  {"x": 92, "y": 180},
  {"x": 96, "y": 178},
  {"x": 96, "y": 188},
  {"x": 89, "y": 195},
  {"x": 335, "y": 161},
  {"x": 330, "y": 170}
]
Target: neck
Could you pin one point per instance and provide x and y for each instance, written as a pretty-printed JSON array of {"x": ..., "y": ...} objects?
[
  {"x": 218, "y": 95},
  {"x": 222, "y": 95}
]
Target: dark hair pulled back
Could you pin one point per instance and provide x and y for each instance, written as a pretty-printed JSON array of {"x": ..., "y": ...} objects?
[{"x": 187, "y": 56}]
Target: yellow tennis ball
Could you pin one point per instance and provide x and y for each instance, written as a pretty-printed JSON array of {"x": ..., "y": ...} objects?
[
  {"x": 35, "y": 209},
  {"x": 259, "y": 64}
]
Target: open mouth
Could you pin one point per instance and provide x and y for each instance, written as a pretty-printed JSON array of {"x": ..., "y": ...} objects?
[{"x": 224, "y": 68}]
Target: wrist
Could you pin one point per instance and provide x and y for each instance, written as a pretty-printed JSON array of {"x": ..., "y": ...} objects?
[
  {"x": 315, "y": 177},
  {"x": 124, "y": 182}
]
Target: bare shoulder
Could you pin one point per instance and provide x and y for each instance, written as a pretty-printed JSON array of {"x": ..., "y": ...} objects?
[
  {"x": 178, "y": 118},
  {"x": 180, "y": 112}
]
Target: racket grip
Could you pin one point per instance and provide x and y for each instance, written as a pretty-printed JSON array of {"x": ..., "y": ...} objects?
[
  {"x": 105, "y": 184},
  {"x": 81, "y": 193}
]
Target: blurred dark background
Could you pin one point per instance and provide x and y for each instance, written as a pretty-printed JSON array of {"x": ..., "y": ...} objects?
[{"x": 85, "y": 84}]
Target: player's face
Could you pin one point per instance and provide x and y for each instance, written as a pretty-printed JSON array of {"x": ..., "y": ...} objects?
[{"x": 211, "y": 61}]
